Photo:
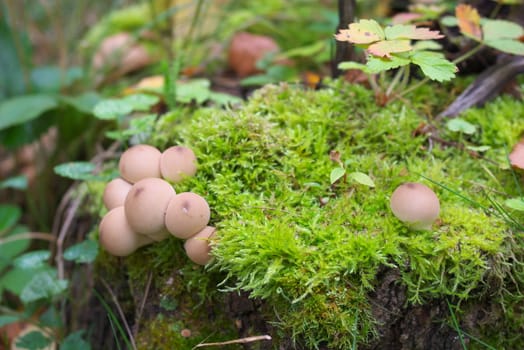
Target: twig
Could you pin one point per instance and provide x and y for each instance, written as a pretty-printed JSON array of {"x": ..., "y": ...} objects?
[
  {"x": 120, "y": 313},
  {"x": 71, "y": 212},
  {"x": 236, "y": 341},
  {"x": 29, "y": 235},
  {"x": 143, "y": 303}
]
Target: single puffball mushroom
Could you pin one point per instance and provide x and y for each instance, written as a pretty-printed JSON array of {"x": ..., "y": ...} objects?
[
  {"x": 115, "y": 193},
  {"x": 198, "y": 248},
  {"x": 117, "y": 237},
  {"x": 160, "y": 235},
  {"x": 146, "y": 205},
  {"x": 177, "y": 162},
  {"x": 186, "y": 214},
  {"x": 415, "y": 204},
  {"x": 139, "y": 162}
]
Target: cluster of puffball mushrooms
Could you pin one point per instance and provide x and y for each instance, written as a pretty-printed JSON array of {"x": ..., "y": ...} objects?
[{"x": 144, "y": 208}]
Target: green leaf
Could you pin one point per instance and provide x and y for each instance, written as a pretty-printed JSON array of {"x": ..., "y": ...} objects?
[
  {"x": 494, "y": 29},
  {"x": 33, "y": 340},
  {"x": 406, "y": 31},
  {"x": 449, "y": 21},
  {"x": 76, "y": 170},
  {"x": 515, "y": 203},
  {"x": 427, "y": 45},
  {"x": 510, "y": 46},
  {"x": 223, "y": 99},
  {"x": 354, "y": 65},
  {"x": 361, "y": 178},
  {"x": 51, "y": 318},
  {"x": 336, "y": 174},
  {"x": 19, "y": 110},
  {"x": 84, "y": 252},
  {"x": 44, "y": 285},
  {"x": 305, "y": 51},
  {"x": 379, "y": 64},
  {"x": 8, "y": 319},
  {"x": 9, "y": 250},
  {"x": 141, "y": 102},
  {"x": 112, "y": 109},
  {"x": 434, "y": 65},
  {"x": 16, "y": 182},
  {"x": 74, "y": 341},
  {"x": 32, "y": 260},
  {"x": 9, "y": 216},
  {"x": 16, "y": 279},
  {"x": 194, "y": 90},
  {"x": 460, "y": 125},
  {"x": 84, "y": 103}
]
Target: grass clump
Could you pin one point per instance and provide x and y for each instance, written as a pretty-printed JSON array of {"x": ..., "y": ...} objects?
[{"x": 313, "y": 249}]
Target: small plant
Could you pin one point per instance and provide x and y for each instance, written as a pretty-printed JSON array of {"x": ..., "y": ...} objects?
[{"x": 392, "y": 48}]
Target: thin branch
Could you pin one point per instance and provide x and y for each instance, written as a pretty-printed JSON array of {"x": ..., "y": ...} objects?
[
  {"x": 29, "y": 235},
  {"x": 236, "y": 341},
  {"x": 143, "y": 303},
  {"x": 120, "y": 313}
]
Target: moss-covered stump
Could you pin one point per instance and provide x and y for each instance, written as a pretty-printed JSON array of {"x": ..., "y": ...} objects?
[{"x": 328, "y": 265}]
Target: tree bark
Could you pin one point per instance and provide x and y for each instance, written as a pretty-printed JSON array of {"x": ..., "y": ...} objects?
[{"x": 344, "y": 51}]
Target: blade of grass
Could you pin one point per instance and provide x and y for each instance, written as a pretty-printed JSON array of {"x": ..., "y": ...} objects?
[
  {"x": 456, "y": 326},
  {"x": 354, "y": 341},
  {"x": 113, "y": 317}
]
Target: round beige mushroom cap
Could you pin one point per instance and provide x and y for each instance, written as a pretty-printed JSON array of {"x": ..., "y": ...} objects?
[
  {"x": 177, "y": 163},
  {"x": 146, "y": 205},
  {"x": 416, "y": 205},
  {"x": 115, "y": 193},
  {"x": 117, "y": 237},
  {"x": 198, "y": 248},
  {"x": 139, "y": 162},
  {"x": 186, "y": 214}
]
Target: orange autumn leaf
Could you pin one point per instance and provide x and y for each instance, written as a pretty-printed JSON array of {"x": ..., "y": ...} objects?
[{"x": 469, "y": 21}]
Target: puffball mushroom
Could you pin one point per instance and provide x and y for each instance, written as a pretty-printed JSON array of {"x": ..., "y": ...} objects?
[
  {"x": 415, "y": 204},
  {"x": 117, "y": 237},
  {"x": 146, "y": 203},
  {"x": 198, "y": 248},
  {"x": 115, "y": 193},
  {"x": 178, "y": 162},
  {"x": 139, "y": 162},
  {"x": 186, "y": 214}
]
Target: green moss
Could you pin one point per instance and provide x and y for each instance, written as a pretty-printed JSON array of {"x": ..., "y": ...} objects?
[{"x": 311, "y": 249}]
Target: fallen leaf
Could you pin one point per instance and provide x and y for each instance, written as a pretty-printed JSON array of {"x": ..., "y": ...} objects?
[
  {"x": 246, "y": 49},
  {"x": 516, "y": 157},
  {"x": 469, "y": 21}
]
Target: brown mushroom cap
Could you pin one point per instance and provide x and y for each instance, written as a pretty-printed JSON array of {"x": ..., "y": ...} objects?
[
  {"x": 177, "y": 162},
  {"x": 115, "y": 193},
  {"x": 146, "y": 204},
  {"x": 139, "y": 162},
  {"x": 415, "y": 204},
  {"x": 117, "y": 237},
  {"x": 186, "y": 214},
  {"x": 198, "y": 248}
]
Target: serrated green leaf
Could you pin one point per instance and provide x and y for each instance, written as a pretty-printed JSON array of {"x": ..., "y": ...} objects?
[
  {"x": 408, "y": 31},
  {"x": 83, "y": 252},
  {"x": 34, "y": 340},
  {"x": 361, "y": 178},
  {"x": 44, "y": 285},
  {"x": 16, "y": 279},
  {"x": 353, "y": 65},
  {"x": 494, "y": 29},
  {"x": 380, "y": 64},
  {"x": 336, "y": 174},
  {"x": 112, "y": 109},
  {"x": 19, "y": 110},
  {"x": 16, "y": 182},
  {"x": 74, "y": 341},
  {"x": 76, "y": 170},
  {"x": 32, "y": 260},
  {"x": 434, "y": 65},
  {"x": 141, "y": 102},
  {"x": 510, "y": 46},
  {"x": 515, "y": 203},
  {"x": 460, "y": 125}
]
